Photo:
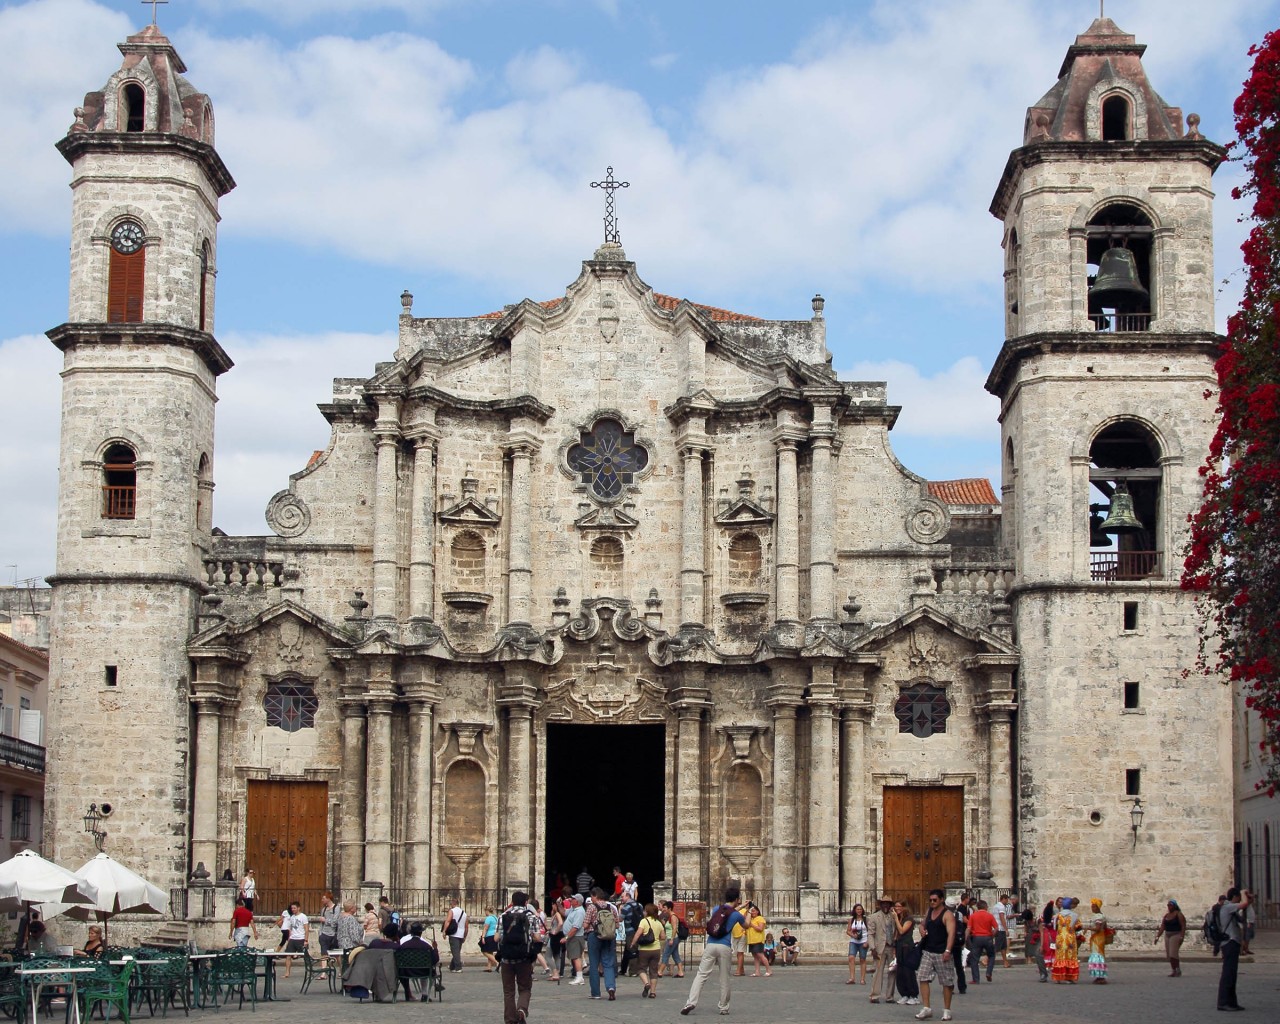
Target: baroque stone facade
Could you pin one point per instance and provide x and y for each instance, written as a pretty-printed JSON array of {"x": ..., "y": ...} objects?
[{"x": 662, "y": 537}]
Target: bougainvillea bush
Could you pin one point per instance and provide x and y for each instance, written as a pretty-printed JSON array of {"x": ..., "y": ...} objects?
[{"x": 1233, "y": 555}]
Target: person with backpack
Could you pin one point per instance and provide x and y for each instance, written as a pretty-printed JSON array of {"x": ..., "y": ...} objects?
[
  {"x": 677, "y": 932},
  {"x": 602, "y": 923},
  {"x": 1228, "y": 923},
  {"x": 632, "y": 913},
  {"x": 649, "y": 938},
  {"x": 520, "y": 938},
  {"x": 718, "y": 954},
  {"x": 456, "y": 927}
]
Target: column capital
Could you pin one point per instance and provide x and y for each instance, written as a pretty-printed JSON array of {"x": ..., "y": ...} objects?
[
  {"x": 421, "y": 696},
  {"x": 522, "y": 444},
  {"x": 423, "y": 437},
  {"x": 693, "y": 448},
  {"x": 788, "y": 438},
  {"x": 689, "y": 702}
]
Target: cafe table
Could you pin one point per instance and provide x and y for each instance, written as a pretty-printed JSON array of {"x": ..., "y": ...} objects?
[{"x": 38, "y": 977}]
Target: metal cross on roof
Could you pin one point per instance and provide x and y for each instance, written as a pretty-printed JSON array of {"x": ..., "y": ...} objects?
[
  {"x": 610, "y": 186},
  {"x": 153, "y": 7}
]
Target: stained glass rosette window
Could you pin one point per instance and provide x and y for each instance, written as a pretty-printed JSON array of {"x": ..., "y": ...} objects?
[
  {"x": 607, "y": 459},
  {"x": 291, "y": 706},
  {"x": 922, "y": 710}
]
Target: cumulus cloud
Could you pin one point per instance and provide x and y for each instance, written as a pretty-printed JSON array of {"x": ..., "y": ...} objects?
[{"x": 951, "y": 403}]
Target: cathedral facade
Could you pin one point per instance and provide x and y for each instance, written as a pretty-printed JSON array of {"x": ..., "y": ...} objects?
[{"x": 622, "y": 577}]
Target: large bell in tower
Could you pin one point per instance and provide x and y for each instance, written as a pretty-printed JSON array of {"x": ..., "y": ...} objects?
[
  {"x": 1121, "y": 518},
  {"x": 1117, "y": 285}
]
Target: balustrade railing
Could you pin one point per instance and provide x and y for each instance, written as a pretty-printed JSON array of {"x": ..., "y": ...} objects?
[
  {"x": 119, "y": 502},
  {"x": 243, "y": 572},
  {"x": 21, "y": 753},
  {"x": 1110, "y": 566},
  {"x": 1121, "y": 323}
]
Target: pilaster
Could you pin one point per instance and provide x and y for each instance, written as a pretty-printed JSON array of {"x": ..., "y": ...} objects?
[
  {"x": 422, "y": 695},
  {"x": 692, "y": 539},
  {"x": 690, "y": 702},
  {"x": 521, "y": 447},
  {"x": 787, "y": 440},
  {"x": 387, "y": 440},
  {"x": 823, "y": 776},
  {"x": 422, "y": 524},
  {"x": 518, "y": 697},
  {"x": 378, "y": 704},
  {"x": 822, "y": 552}
]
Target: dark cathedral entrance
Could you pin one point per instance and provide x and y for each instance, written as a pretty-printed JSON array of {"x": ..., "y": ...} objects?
[{"x": 606, "y": 800}]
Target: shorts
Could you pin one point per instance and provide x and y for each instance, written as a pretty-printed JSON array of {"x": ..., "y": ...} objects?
[
  {"x": 935, "y": 965},
  {"x": 573, "y": 947},
  {"x": 295, "y": 945},
  {"x": 647, "y": 960},
  {"x": 489, "y": 944},
  {"x": 1002, "y": 941},
  {"x": 738, "y": 945},
  {"x": 755, "y": 947},
  {"x": 858, "y": 949}
]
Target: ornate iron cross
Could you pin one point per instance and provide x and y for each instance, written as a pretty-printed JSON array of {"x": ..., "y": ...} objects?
[
  {"x": 610, "y": 186},
  {"x": 153, "y": 3}
]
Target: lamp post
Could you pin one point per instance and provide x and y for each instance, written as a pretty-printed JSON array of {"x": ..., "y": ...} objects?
[
  {"x": 1135, "y": 818},
  {"x": 92, "y": 819}
]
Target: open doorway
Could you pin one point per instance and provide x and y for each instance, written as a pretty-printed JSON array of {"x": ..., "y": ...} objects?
[{"x": 606, "y": 799}]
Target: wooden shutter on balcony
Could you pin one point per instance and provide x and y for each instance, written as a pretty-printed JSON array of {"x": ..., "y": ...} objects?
[{"x": 124, "y": 287}]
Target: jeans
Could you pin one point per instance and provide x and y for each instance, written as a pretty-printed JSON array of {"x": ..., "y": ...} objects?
[
  {"x": 716, "y": 956},
  {"x": 1230, "y": 967},
  {"x": 982, "y": 944},
  {"x": 671, "y": 953},
  {"x": 601, "y": 953},
  {"x": 517, "y": 985}
]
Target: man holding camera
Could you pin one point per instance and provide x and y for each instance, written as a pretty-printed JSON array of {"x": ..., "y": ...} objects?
[{"x": 1231, "y": 920}]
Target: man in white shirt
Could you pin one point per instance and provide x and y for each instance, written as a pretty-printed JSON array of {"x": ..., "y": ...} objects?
[
  {"x": 1001, "y": 913},
  {"x": 458, "y": 918},
  {"x": 299, "y": 934}
]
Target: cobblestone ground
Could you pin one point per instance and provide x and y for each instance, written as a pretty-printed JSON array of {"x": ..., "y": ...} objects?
[{"x": 1138, "y": 992}]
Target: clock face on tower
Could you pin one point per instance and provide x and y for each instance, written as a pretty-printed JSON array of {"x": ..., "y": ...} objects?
[{"x": 127, "y": 237}]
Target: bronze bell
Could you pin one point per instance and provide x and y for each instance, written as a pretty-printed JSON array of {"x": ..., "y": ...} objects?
[
  {"x": 1097, "y": 539},
  {"x": 1117, "y": 285},
  {"x": 1121, "y": 518}
]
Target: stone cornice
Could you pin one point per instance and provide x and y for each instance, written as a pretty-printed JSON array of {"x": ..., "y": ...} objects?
[
  {"x": 202, "y": 343},
  {"x": 77, "y": 144}
]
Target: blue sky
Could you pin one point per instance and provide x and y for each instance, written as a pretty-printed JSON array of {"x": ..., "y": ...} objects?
[{"x": 447, "y": 146}]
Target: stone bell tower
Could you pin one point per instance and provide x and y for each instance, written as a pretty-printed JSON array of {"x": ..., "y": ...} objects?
[
  {"x": 135, "y": 470},
  {"x": 1123, "y": 764}
]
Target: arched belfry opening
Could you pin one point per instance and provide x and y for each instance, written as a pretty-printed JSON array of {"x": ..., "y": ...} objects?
[
  {"x": 1124, "y": 504},
  {"x": 135, "y": 107},
  {"x": 1119, "y": 250},
  {"x": 1117, "y": 123}
]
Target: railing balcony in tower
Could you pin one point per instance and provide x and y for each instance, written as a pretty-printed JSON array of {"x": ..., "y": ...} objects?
[
  {"x": 119, "y": 502},
  {"x": 1121, "y": 323},
  {"x": 1111, "y": 566}
]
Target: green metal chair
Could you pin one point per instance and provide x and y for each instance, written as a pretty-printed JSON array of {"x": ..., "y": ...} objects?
[
  {"x": 421, "y": 966},
  {"x": 164, "y": 983},
  {"x": 13, "y": 998},
  {"x": 317, "y": 969},
  {"x": 106, "y": 989},
  {"x": 234, "y": 971}
]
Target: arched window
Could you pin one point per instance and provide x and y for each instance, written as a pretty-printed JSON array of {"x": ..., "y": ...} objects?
[
  {"x": 126, "y": 275},
  {"x": 1115, "y": 118},
  {"x": 607, "y": 458},
  {"x": 291, "y": 705},
  {"x": 1118, "y": 245},
  {"x": 1124, "y": 508},
  {"x": 119, "y": 483},
  {"x": 467, "y": 556},
  {"x": 607, "y": 559},
  {"x": 135, "y": 105},
  {"x": 204, "y": 279},
  {"x": 746, "y": 562}
]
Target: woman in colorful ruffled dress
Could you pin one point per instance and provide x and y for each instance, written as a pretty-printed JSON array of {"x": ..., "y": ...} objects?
[
  {"x": 1098, "y": 944},
  {"x": 1066, "y": 958}
]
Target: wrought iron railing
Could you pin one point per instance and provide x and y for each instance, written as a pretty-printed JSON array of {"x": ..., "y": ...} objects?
[
  {"x": 1124, "y": 565},
  {"x": 1121, "y": 323},
  {"x": 14, "y": 751}
]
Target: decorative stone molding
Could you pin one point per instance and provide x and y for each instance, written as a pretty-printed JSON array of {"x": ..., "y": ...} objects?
[
  {"x": 929, "y": 523},
  {"x": 288, "y": 515}
]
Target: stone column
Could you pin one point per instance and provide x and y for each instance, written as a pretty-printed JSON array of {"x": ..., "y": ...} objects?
[
  {"x": 204, "y": 796},
  {"x": 1000, "y": 795},
  {"x": 788, "y": 526},
  {"x": 352, "y": 787},
  {"x": 822, "y": 554},
  {"x": 690, "y": 704},
  {"x": 516, "y": 827},
  {"x": 692, "y": 550},
  {"x": 854, "y": 841},
  {"x": 378, "y": 766},
  {"x": 519, "y": 564},
  {"x": 387, "y": 439},
  {"x": 422, "y": 518},
  {"x": 422, "y": 697},
  {"x": 823, "y": 812},
  {"x": 1077, "y": 278},
  {"x": 785, "y": 841}
]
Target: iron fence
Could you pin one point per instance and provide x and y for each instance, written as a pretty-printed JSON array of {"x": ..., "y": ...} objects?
[{"x": 1109, "y": 566}]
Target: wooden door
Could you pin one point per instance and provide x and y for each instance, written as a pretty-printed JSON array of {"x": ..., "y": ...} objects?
[
  {"x": 285, "y": 843},
  {"x": 923, "y": 839}
]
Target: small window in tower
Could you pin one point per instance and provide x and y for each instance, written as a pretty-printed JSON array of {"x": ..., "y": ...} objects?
[
  {"x": 119, "y": 483},
  {"x": 126, "y": 274},
  {"x": 1131, "y": 696},
  {"x": 1130, "y": 616},
  {"x": 110, "y": 675},
  {"x": 135, "y": 103},
  {"x": 1133, "y": 782},
  {"x": 1115, "y": 119},
  {"x": 204, "y": 279}
]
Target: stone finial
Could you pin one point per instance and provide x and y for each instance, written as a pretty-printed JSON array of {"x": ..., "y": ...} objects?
[
  {"x": 189, "y": 128},
  {"x": 358, "y": 605},
  {"x": 746, "y": 484},
  {"x": 766, "y": 497},
  {"x": 722, "y": 502},
  {"x": 851, "y": 610},
  {"x": 469, "y": 483},
  {"x": 560, "y": 607},
  {"x": 1193, "y": 126},
  {"x": 653, "y": 609},
  {"x": 1040, "y": 131},
  {"x": 818, "y": 303},
  {"x": 406, "y": 303},
  {"x": 80, "y": 125}
]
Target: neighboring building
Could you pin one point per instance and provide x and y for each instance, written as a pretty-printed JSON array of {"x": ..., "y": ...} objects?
[
  {"x": 24, "y": 672},
  {"x": 620, "y": 557},
  {"x": 1257, "y": 849},
  {"x": 24, "y": 614}
]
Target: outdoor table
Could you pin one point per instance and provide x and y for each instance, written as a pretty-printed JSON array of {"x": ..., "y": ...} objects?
[
  {"x": 198, "y": 969},
  {"x": 39, "y": 973},
  {"x": 269, "y": 979}
]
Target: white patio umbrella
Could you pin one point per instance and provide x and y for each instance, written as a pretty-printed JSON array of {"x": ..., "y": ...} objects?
[
  {"x": 119, "y": 891},
  {"x": 36, "y": 880}
]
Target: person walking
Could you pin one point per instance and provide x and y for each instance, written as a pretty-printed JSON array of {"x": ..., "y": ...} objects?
[
  {"x": 717, "y": 955},
  {"x": 905, "y": 952},
  {"x": 1231, "y": 922},
  {"x": 601, "y": 926},
  {"x": 329, "y": 914},
  {"x": 1066, "y": 946},
  {"x": 1003, "y": 922},
  {"x": 1098, "y": 930},
  {"x": 961, "y": 913},
  {"x": 648, "y": 940},
  {"x": 631, "y": 913},
  {"x": 857, "y": 932},
  {"x": 489, "y": 939},
  {"x": 881, "y": 934},
  {"x": 756, "y": 925},
  {"x": 299, "y": 935},
  {"x": 522, "y": 936},
  {"x": 248, "y": 890},
  {"x": 937, "y": 955},
  {"x": 456, "y": 927},
  {"x": 575, "y": 942},
  {"x": 555, "y": 939},
  {"x": 1173, "y": 926},
  {"x": 241, "y": 925},
  {"x": 671, "y": 950},
  {"x": 982, "y": 930}
]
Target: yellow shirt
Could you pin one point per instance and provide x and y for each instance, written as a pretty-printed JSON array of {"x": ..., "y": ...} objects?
[{"x": 755, "y": 929}]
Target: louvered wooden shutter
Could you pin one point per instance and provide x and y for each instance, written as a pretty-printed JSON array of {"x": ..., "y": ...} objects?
[{"x": 124, "y": 287}]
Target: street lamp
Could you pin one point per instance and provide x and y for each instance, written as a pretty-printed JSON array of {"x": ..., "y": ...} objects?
[
  {"x": 1135, "y": 818},
  {"x": 92, "y": 819}
]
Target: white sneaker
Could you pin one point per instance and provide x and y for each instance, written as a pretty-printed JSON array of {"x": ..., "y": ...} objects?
[
  {"x": 946, "y": 1014},
  {"x": 901, "y": 1000},
  {"x": 924, "y": 1014},
  {"x": 577, "y": 980},
  {"x": 913, "y": 1001}
]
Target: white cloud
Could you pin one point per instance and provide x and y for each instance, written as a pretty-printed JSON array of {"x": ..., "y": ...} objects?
[
  {"x": 949, "y": 405},
  {"x": 298, "y": 11}
]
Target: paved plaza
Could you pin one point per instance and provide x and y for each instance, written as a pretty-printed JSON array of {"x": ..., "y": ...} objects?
[{"x": 1140, "y": 991}]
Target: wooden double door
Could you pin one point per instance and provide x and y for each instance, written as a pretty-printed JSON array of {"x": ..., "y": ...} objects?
[
  {"x": 286, "y": 842},
  {"x": 923, "y": 839}
]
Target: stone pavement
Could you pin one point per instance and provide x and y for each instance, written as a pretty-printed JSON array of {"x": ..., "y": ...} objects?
[{"x": 1138, "y": 992}]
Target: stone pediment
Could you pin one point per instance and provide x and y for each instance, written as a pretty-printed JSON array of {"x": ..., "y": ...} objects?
[
  {"x": 924, "y": 649},
  {"x": 606, "y": 518},
  {"x": 745, "y": 512},
  {"x": 229, "y": 634},
  {"x": 470, "y": 512}
]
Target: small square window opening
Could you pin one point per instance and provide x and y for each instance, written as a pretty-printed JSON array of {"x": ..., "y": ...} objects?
[
  {"x": 1133, "y": 782},
  {"x": 110, "y": 675},
  {"x": 1130, "y": 616},
  {"x": 1131, "y": 695}
]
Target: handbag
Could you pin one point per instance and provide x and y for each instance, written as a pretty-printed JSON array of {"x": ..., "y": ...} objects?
[{"x": 452, "y": 926}]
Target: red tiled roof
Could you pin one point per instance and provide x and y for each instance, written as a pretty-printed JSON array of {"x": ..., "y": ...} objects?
[
  {"x": 315, "y": 457},
  {"x": 667, "y": 302},
  {"x": 971, "y": 491}
]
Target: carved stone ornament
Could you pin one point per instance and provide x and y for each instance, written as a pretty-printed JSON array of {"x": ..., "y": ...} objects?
[
  {"x": 616, "y": 612},
  {"x": 607, "y": 693},
  {"x": 924, "y": 649},
  {"x": 929, "y": 523},
  {"x": 290, "y": 634},
  {"x": 288, "y": 515},
  {"x": 740, "y": 736}
]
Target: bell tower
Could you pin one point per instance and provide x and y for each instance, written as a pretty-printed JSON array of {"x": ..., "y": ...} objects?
[
  {"x": 1109, "y": 349},
  {"x": 135, "y": 471}
]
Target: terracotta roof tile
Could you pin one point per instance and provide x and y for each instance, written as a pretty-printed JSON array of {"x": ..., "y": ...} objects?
[
  {"x": 315, "y": 457},
  {"x": 970, "y": 491},
  {"x": 667, "y": 302}
]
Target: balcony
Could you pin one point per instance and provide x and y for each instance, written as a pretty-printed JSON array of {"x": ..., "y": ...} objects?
[
  {"x": 1114, "y": 566},
  {"x": 21, "y": 754},
  {"x": 119, "y": 502},
  {"x": 1121, "y": 323}
]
